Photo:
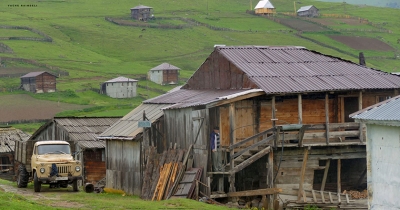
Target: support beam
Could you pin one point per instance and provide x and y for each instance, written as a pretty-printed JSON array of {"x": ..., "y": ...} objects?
[
  {"x": 396, "y": 92},
  {"x": 232, "y": 141},
  {"x": 300, "y": 108},
  {"x": 327, "y": 117},
  {"x": 360, "y": 104},
  {"x": 273, "y": 112},
  {"x": 302, "y": 175},
  {"x": 270, "y": 177},
  {"x": 339, "y": 185},
  {"x": 328, "y": 163}
]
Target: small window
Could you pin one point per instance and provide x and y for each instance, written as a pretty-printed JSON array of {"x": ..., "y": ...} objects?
[
  {"x": 122, "y": 84},
  {"x": 382, "y": 98},
  {"x": 103, "y": 155}
]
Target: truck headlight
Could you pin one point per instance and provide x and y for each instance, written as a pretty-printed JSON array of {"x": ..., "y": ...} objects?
[
  {"x": 42, "y": 170},
  {"x": 77, "y": 168}
]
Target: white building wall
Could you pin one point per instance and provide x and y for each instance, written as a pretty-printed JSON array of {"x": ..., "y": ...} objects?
[
  {"x": 121, "y": 89},
  {"x": 383, "y": 162},
  {"x": 156, "y": 76}
]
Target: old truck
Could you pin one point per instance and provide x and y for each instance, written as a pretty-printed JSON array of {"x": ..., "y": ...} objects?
[{"x": 46, "y": 162}]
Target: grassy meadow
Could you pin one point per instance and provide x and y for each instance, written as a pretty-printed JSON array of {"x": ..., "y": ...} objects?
[{"x": 94, "y": 50}]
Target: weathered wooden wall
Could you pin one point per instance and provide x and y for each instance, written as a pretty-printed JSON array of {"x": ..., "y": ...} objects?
[
  {"x": 218, "y": 73},
  {"x": 94, "y": 165},
  {"x": 45, "y": 83},
  {"x": 170, "y": 76},
  {"x": 265, "y": 11},
  {"x": 123, "y": 168}
]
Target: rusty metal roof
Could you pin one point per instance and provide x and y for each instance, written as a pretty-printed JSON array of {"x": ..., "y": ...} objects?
[
  {"x": 189, "y": 98},
  {"x": 127, "y": 127},
  {"x": 164, "y": 66},
  {"x": 388, "y": 110},
  {"x": 35, "y": 74},
  {"x": 296, "y": 69},
  {"x": 8, "y": 136}
]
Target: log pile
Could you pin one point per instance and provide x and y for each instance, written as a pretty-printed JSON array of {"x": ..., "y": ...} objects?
[{"x": 357, "y": 194}]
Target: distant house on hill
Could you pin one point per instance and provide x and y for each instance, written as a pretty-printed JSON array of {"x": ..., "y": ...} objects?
[
  {"x": 164, "y": 74},
  {"x": 308, "y": 11},
  {"x": 120, "y": 87},
  {"x": 142, "y": 12},
  {"x": 83, "y": 132},
  {"x": 383, "y": 149},
  {"x": 264, "y": 7},
  {"x": 39, "y": 82}
]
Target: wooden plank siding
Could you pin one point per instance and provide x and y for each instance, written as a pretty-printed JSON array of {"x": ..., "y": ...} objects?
[
  {"x": 218, "y": 73},
  {"x": 170, "y": 76},
  {"x": 123, "y": 166},
  {"x": 95, "y": 166}
]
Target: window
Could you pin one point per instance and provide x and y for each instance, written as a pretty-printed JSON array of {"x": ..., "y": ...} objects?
[
  {"x": 53, "y": 149},
  {"x": 382, "y": 98}
]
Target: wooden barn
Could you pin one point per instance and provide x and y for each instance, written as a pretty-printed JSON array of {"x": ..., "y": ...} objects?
[
  {"x": 383, "y": 152},
  {"x": 164, "y": 74},
  {"x": 83, "y": 131},
  {"x": 39, "y": 82},
  {"x": 283, "y": 114},
  {"x": 264, "y": 7},
  {"x": 8, "y": 136},
  {"x": 308, "y": 11},
  {"x": 120, "y": 87},
  {"x": 142, "y": 12}
]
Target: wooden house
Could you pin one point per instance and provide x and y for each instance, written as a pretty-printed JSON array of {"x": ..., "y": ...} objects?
[
  {"x": 39, "y": 82},
  {"x": 83, "y": 131},
  {"x": 264, "y": 7},
  {"x": 383, "y": 148},
  {"x": 8, "y": 136},
  {"x": 142, "y": 12},
  {"x": 164, "y": 74},
  {"x": 120, "y": 87},
  {"x": 308, "y": 11},
  {"x": 283, "y": 117}
]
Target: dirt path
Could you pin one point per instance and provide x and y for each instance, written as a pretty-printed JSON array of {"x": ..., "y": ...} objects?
[{"x": 47, "y": 195}]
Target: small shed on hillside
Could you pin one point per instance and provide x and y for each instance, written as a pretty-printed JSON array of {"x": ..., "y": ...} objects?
[
  {"x": 308, "y": 11},
  {"x": 164, "y": 74},
  {"x": 83, "y": 131},
  {"x": 120, "y": 87},
  {"x": 8, "y": 136},
  {"x": 264, "y": 7},
  {"x": 142, "y": 12},
  {"x": 383, "y": 152},
  {"x": 39, "y": 82}
]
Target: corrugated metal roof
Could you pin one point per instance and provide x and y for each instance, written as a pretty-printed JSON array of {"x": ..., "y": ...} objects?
[
  {"x": 304, "y": 8},
  {"x": 127, "y": 127},
  {"x": 189, "y": 98},
  {"x": 35, "y": 74},
  {"x": 142, "y": 7},
  {"x": 165, "y": 66},
  {"x": 388, "y": 110},
  {"x": 120, "y": 79},
  {"x": 264, "y": 4},
  {"x": 8, "y": 136},
  {"x": 296, "y": 69},
  {"x": 84, "y": 130}
]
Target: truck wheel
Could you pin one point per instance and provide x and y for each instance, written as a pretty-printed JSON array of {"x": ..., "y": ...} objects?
[
  {"x": 22, "y": 177},
  {"x": 36, "y": 183},
  {"x": 75, "y": 185}
]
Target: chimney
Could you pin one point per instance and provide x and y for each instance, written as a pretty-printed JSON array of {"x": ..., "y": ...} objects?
[{"x": 361, "y": 59}]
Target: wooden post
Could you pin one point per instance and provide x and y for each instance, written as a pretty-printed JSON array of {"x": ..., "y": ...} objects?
[
  {"x": 328, "y": 163},
  {"x": 273, "y": 112},
  {"x": 232, "y": 141},
  {"x": 197, "y": 190},
  {"x": 300, "y": 108},
  {"x": 396, "y": 92},
  {"x": 327, "y": 117},
  {"x": 270, "y": 177},
  {"x": 360, "y": 100},
  {"x": 339, "y": 185},
  {"x": 302, "y": 174}
]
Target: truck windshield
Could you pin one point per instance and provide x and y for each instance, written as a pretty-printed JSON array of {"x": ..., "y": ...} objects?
[{"x": 53, "y": 149}]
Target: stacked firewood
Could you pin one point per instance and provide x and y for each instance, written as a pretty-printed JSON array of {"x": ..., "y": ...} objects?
[{"x": 357, "y": 194}]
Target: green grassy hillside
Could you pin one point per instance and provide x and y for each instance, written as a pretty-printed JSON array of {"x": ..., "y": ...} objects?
[{"x": 93, "y": 50}]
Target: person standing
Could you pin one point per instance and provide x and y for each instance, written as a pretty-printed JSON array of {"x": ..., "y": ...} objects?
[{"x": 217, "y": 153}]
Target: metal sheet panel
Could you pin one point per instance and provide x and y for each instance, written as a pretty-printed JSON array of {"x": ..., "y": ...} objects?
[{"x": 388, "y": 110}]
